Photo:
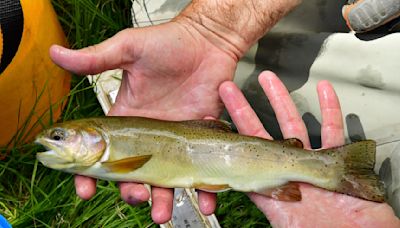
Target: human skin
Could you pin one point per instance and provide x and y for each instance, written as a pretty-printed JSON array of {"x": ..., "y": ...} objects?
[
  {"x": 318, "y": 208},
  {"x": 172, "y": 71}
]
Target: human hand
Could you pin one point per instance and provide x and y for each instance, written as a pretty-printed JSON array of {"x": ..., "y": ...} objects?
[
  {"x": 318, "y": 208},
  {"x": 169, "y": 73}
]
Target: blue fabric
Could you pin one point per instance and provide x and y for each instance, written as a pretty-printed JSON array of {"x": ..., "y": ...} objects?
[{"x": 4, "y": 223}]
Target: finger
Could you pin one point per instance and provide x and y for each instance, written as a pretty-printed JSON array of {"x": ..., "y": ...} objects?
[
  {"x": 207, "y": 202},
  {"x": 161, "y": 209},
  {"x": 209, "y": 118},
  {"x": 290, "y": 122},
  {"x": 111, "y": 54},
  {"x": 239, "y": 109},
  {"x": 133, "y": 193},
  {"x": 332, "y": 130},
  {"x": 85, "y": 187}
]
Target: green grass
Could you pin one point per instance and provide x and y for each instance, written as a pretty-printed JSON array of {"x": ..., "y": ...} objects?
[{"x": 34, "y": 196}]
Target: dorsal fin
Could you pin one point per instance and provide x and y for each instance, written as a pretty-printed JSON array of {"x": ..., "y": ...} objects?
[
  {"x": 293, "y": 142},
  {"x": 126, "y": 165},
  {"x": 220, "y": 125}
]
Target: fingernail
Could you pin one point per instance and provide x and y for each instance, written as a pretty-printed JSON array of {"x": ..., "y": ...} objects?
[
  {"x": 227, "y": 87},
  {"x": 60, "y": 50}
]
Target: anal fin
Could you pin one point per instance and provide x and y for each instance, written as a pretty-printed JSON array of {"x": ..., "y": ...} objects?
[
  {"x": 127, "y": 164},
  {"x": 288, "y": 192}
]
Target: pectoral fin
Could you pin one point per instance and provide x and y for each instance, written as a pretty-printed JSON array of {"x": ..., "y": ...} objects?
[
  {"x": 288, "y": 192},
  {"x": 127, "y": 164}
]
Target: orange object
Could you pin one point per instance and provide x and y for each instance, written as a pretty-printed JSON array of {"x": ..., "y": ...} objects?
[{"x": 30, "y": 83}]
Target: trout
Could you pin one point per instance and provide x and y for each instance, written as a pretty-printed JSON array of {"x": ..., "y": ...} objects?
[{"x": 206, "y": 155}]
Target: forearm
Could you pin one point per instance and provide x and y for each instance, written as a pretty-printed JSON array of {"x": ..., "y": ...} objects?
[{"x": 235, "y": 25}]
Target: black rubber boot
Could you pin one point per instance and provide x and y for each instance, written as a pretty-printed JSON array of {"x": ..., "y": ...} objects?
[{"x": 366, "y": 15}]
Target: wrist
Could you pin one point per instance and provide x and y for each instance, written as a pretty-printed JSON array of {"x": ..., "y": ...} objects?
[{"x": 234, "y": 25}]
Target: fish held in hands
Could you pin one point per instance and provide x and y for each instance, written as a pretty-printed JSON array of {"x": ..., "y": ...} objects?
[{"x": 206, "y": 155}]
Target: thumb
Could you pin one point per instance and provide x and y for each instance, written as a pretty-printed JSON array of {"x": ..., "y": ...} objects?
[{"x": 110, "y": 54}]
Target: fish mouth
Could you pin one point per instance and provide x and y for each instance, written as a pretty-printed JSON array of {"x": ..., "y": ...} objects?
[
  {"x": 50, "y": 149},
  {"x": 51, "y": 158}
]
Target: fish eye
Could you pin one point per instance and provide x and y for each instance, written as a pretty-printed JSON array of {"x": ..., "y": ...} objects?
[{"x": 58, "y": 135}]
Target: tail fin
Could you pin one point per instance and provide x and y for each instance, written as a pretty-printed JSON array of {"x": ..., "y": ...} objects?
[{"x": 359, "y": 178}]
